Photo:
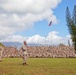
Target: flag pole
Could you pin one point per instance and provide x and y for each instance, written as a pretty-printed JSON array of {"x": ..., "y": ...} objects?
[
  {"x": 45, "y": 40},
  {"x": 51, "y": 32},
  {"x": 51, "y": 38}
]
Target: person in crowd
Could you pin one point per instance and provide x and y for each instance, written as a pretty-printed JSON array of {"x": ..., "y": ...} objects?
[{"x": 1, "y": 49}]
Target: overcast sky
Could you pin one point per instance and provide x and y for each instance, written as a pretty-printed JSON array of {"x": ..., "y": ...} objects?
[{"x": 29, "y": 19}]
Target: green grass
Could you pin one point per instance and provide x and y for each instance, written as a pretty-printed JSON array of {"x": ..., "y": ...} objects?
[{"x": 38, "y": 66}]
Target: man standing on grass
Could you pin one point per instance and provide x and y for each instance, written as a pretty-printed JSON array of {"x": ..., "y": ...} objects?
[
  {"x": 1, "y": 49},
  {"x": 25, "y": 53}
]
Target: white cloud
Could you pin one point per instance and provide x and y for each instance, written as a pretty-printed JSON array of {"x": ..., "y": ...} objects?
[
  {"x": 28, "y": 6},
  {"x": 51, "y": 39},
  {"x": 17, "y": 15},
  {"x": 14, "y": 38}
]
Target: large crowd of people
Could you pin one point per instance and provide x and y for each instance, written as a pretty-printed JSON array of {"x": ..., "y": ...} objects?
[
  {"x": 40, "y": 51},
  {"x": 51, "y": 51}
]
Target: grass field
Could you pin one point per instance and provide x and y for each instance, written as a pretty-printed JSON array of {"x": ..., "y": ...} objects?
[{"x": 38, "y": 66}]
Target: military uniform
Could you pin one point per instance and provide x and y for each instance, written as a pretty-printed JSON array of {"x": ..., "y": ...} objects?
[
  {"x": 24, "y": 54},
  {"x": 1, "y": 49}
]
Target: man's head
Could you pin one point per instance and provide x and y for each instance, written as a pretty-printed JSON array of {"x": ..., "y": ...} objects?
[{"x": 25, "y": 43}]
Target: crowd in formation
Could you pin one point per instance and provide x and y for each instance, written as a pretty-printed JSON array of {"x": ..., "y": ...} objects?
[
  {"x": 10, "y": 52},
  {"x": 51, "y": 51},
  {"x": 40, "y": 51}
]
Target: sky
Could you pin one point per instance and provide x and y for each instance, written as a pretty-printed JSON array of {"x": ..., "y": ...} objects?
[{"x": 28, "y": 20}]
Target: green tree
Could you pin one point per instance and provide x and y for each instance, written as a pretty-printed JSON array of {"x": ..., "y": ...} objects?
[
  {"x": 71, "y": 23},
  {"x": 2, "y": 45},
  {"x": 74, "y": 15}
]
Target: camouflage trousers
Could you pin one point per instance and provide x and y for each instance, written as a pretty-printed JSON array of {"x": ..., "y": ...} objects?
[{"x": 25, "y": 56}]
